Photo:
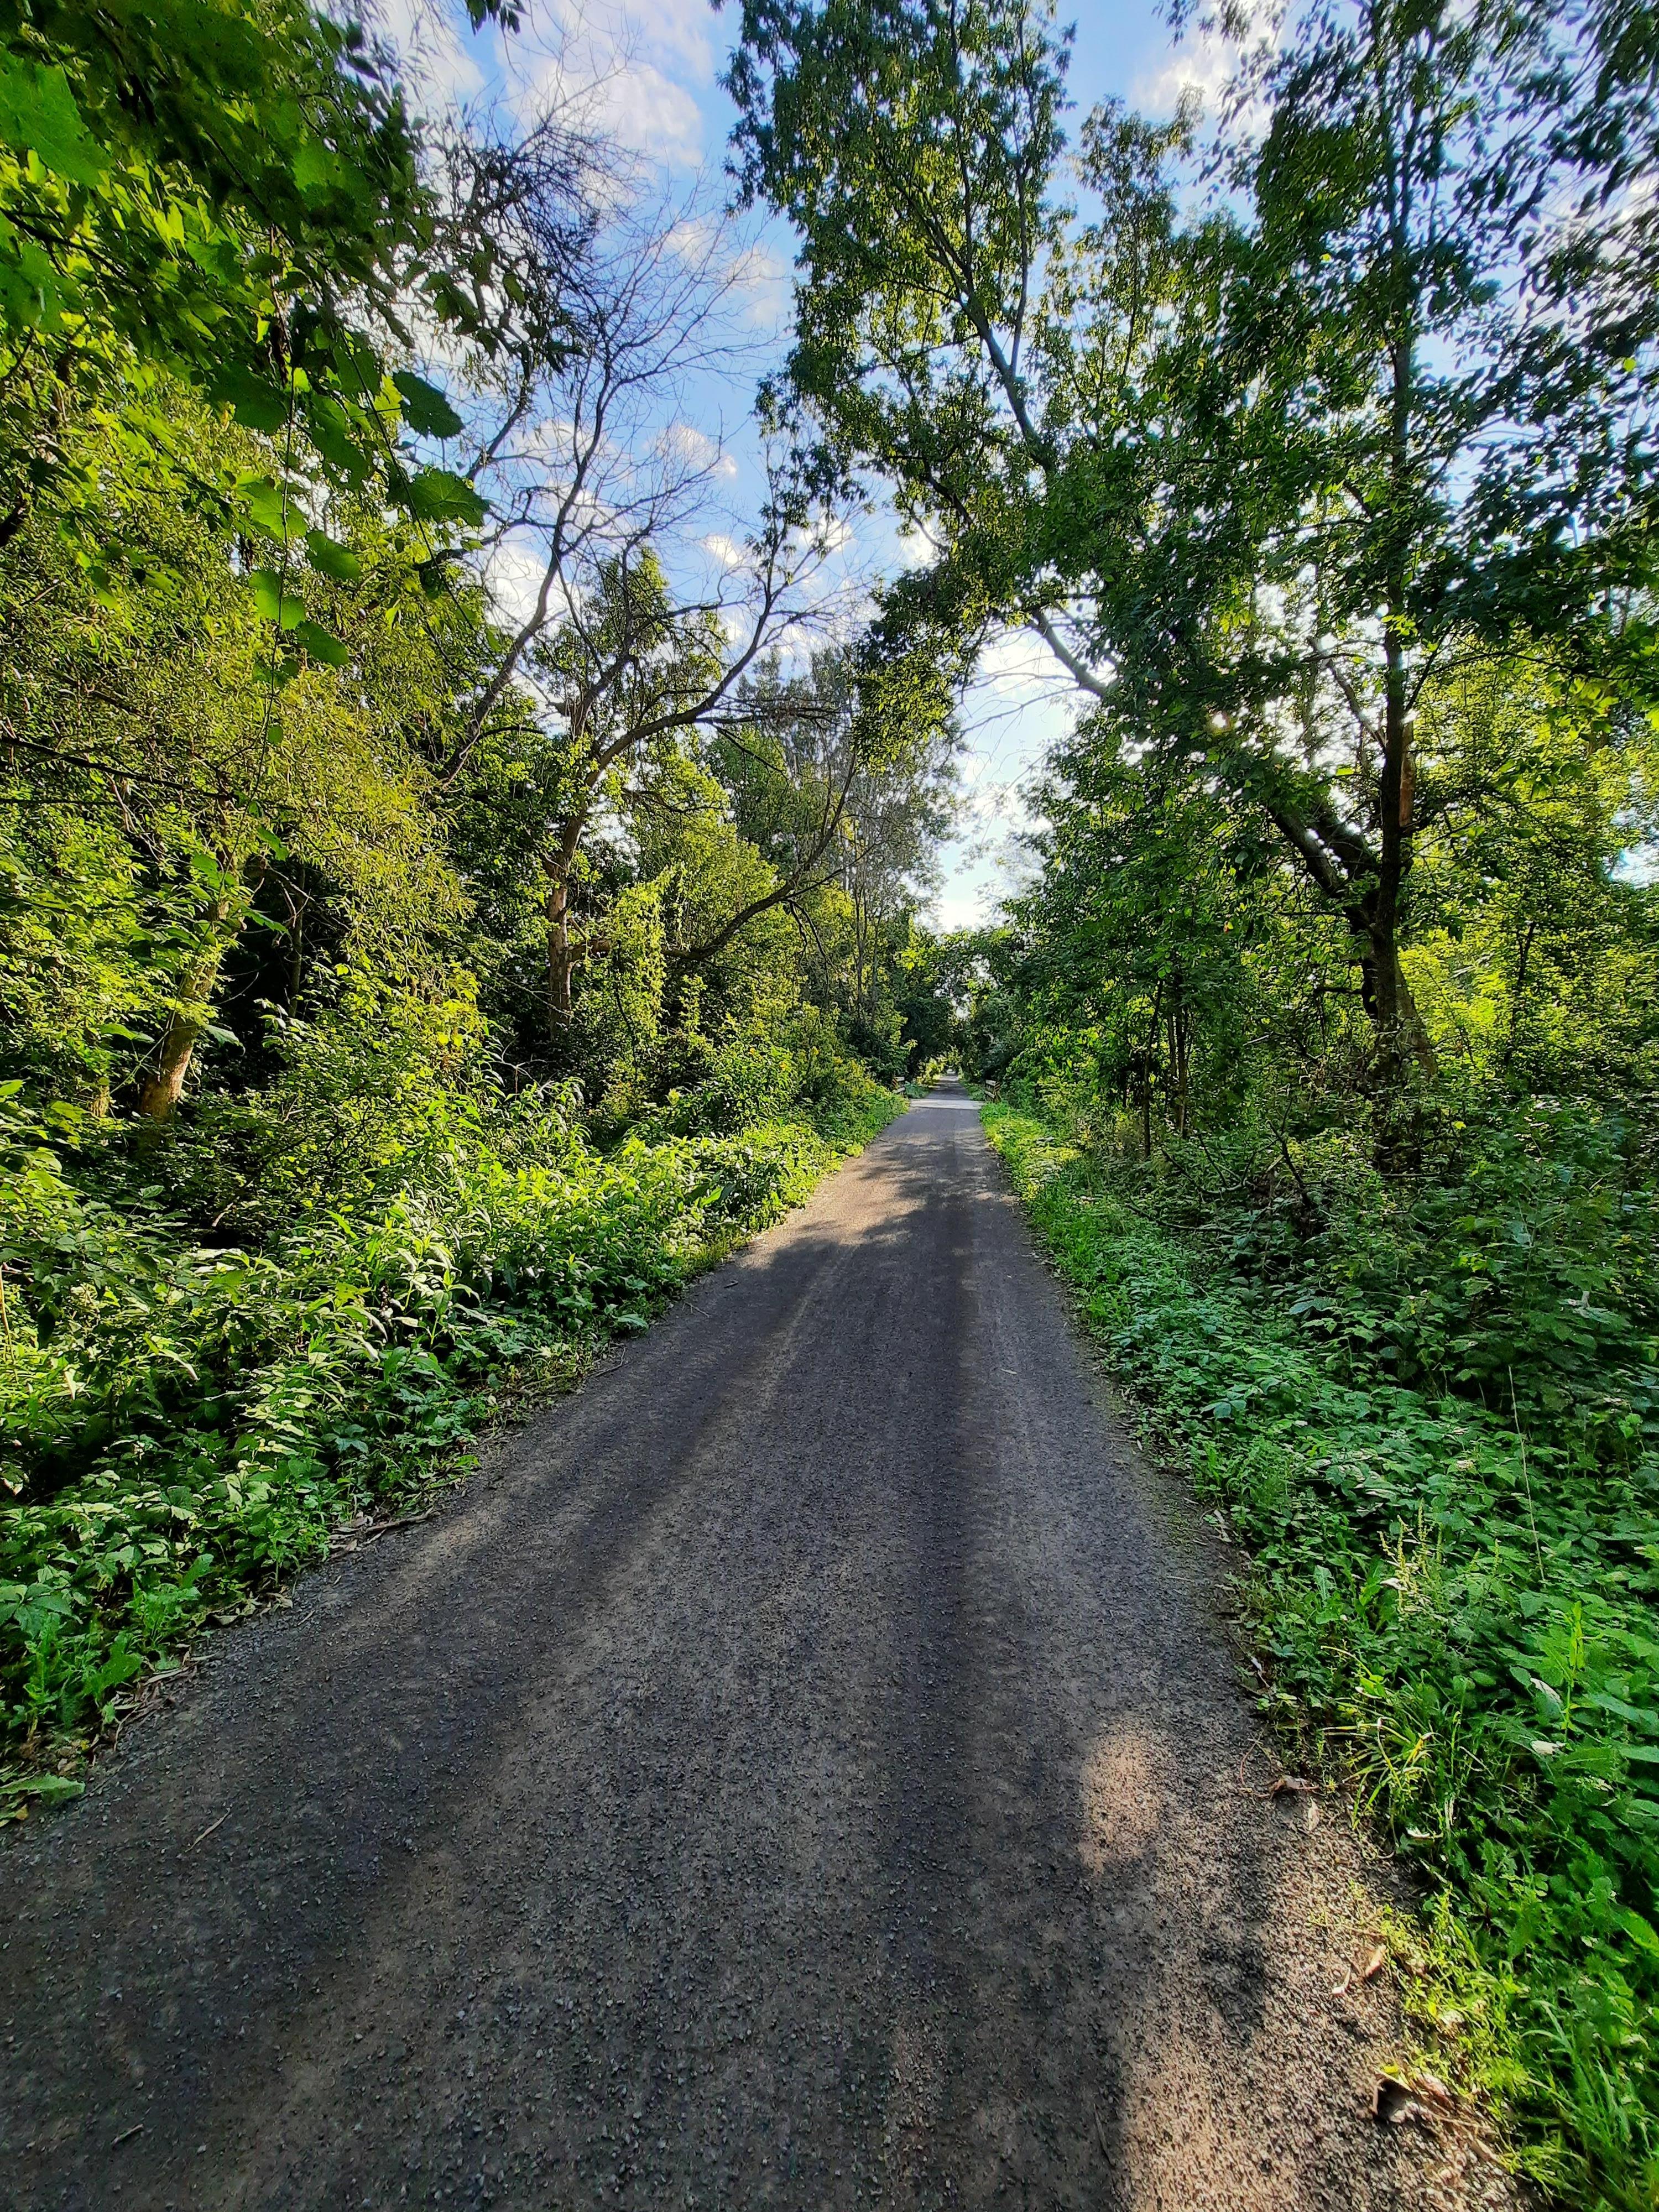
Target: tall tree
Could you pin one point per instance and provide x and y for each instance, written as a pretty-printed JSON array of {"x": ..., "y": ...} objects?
[
  {"x": 1254, "y": 471},
  {"x": 226, "y": 197}
]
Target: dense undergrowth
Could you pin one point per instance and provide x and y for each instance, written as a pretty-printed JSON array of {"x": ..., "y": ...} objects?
[
  {"x": 185, "y": 1421},
  {"x": 1433, "y": 1428}
]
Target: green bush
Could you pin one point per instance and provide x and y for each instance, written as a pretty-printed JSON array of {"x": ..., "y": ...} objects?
[
  {"x": 1458, "y": 1611},
  {"x": 181, "y": 1424},
  {"x": 805, "y": 1070}
]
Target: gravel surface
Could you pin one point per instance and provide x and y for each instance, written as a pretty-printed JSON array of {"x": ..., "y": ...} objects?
[{"x": 803, "y": 1770}]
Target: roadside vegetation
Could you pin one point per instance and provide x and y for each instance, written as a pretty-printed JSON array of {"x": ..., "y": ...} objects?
[
  {"x": 463, "y": 831},
  {"x": 460, "y": 832},
  {"x": 1454, "y": 1613},
  {"x": 1313, "y": 431},
  {"x": 195, "y": 1421}
]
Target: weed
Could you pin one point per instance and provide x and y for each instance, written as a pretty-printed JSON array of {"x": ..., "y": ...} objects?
[
  {"x": 184, "y": 1427},
  {"x": 1458, "y": 1617}
]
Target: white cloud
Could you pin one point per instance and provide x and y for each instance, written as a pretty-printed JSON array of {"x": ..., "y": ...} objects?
[
  {"x": 688, "y": 443},
  {"x": 675, "y": 30},
  {"x": 632, "y": 104},
  {"x": 726, "y": 550},
  {"x": 1204, "y": 63},
  {"x": 915, "y": 549},
  {"x": 513, "y": 577},
  {"x": 634, "y": 72},
  {"x": 693, "y": 239},
  {"x": 764, "y": 278},
  {"x": 1200, "y": 66},
  {"x": 960, "y": 905},
  {"x": 1017, "y": 664}
]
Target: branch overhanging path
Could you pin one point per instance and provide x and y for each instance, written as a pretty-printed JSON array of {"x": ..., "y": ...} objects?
[{"x": 805, "y": 1770}]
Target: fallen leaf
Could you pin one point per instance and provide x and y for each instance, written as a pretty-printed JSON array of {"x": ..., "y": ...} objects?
[
  {"x": 1395, "y": 2099},
  {"x": 1375, "y": 1961},
  {"x": 1392, "y": 2101}
]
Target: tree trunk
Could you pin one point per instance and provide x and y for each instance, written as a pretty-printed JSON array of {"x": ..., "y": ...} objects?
[
  {"x": 1178, "y": 1071},
  {"x": 1400, "y": 1033},
  {"x": 561, "y": 964},
  {"x": 162, "y": 1091},
  {"x": 563, "y": 957}
]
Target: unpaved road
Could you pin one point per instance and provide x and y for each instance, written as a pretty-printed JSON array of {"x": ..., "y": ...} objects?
[{"x": 804, "y": 1772}]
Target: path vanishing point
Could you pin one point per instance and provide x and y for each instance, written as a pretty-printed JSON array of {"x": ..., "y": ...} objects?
[{"x": 802, "y": 1770}]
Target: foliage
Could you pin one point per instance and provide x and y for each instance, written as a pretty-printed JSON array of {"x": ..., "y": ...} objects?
[
  {"x": 185, "y": 1423},
  {"x": 1268, "y": 434},
  {"x": 1456, "y": 1606},
  {"x": 224, "y": 198},
  {"x": 1315, "y": 439},
  {"x": 395, "y": 993}
]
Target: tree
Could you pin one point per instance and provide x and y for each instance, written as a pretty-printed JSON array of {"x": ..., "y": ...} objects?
[
  {"x": 841, "y": 773},
  {"x": 223, "y": 198},
  {"x": 136, "y": 714},
  {"x": 1255, "y": 472}
]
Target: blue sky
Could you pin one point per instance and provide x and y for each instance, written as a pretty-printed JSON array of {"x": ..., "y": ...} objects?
[{"x": 646, "y": 72}]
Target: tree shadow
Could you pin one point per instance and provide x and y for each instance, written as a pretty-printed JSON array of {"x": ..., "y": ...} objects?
[{"x": 800, "y": 1775}]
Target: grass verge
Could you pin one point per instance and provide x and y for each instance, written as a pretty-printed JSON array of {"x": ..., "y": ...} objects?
[
  {"x": 1468, "y": 1636},
  {"x": 203, "y": 1422}
]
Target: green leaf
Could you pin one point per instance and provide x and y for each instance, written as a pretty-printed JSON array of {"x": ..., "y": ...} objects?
[
  {"x": 321, "y": 644},
  {"x": 330, "y": 559},
  {"x": 255, "y": 401},
  {"x": 50, "y": 1788},
  {"x": 284, "y": 608},
  {"x": 271, "y": 509},
  {"x": 440, "y": 495},
  {"x": 337, "y": 437},
  {"x": 37, "y": 113},
  {"x": 316, "y": 169},
  {"x": 426, "y": 411}
]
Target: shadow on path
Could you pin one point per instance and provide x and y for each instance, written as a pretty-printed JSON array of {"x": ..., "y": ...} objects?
[{"x": 805, "y": 1772}]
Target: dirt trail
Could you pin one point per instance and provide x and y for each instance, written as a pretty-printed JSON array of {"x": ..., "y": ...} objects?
[{"x": 805, "y": 1772}]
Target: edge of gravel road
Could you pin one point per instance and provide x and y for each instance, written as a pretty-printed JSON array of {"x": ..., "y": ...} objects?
[
  {"x": 1410, "y": 2087},
  {"x": 57, "y": 1775}
]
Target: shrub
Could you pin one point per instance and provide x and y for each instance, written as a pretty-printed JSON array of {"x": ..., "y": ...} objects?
[
  {"x": 182, "y": 1424},
  {"x": 1454, "y": 1610}
]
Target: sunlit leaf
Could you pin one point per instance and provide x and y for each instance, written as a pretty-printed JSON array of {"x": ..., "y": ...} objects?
[
  {"x": 255, "y": 401},
  {"x": 278, "y": 605},
  {"x": 330, "y": 559},
  {"x": 37, "y": 113},
  {"x": 321, "y": 644},
  {"x": 440, "y": 495}
]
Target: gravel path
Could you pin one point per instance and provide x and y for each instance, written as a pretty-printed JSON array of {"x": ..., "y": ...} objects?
[{"x": 803, "y": 1771}]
